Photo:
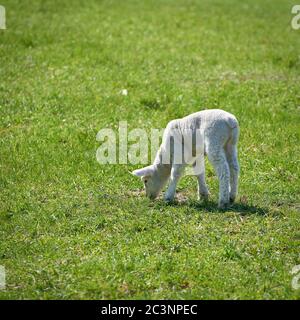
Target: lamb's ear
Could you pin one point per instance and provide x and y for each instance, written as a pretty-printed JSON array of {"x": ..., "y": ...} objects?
[{"x": 147, "y": 171}]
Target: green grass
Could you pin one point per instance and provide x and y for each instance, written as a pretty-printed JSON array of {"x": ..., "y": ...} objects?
[{"x": 72, "y": 228}]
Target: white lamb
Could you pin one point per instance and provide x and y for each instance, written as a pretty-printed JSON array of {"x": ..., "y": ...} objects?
[{"x": 215, "y": 134}]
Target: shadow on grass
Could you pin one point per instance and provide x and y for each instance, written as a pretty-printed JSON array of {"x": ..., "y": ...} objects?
[
  {"x": 211, "y": 206},
  {"x": 183, "y": 201}
]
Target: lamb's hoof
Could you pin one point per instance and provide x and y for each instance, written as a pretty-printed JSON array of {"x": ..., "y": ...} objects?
[
  {"x": 223, "y": 205},
  {"x": 203, "y": 196},
  {"x": 232, "y": 199},
  {"x": 169, "y": 199}
]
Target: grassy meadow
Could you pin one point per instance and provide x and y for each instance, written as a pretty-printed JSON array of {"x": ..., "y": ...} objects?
[{"x": 71, "y": 228}]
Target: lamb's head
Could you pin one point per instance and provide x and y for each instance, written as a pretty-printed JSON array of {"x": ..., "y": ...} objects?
[{"x": 153, "y": 180}]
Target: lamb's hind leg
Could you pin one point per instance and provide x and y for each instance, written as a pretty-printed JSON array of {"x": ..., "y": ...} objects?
[
  {"x": 199, "y": 171},
  {"x": 232, "y": 159},
  {"x": 216, "y": 156}
]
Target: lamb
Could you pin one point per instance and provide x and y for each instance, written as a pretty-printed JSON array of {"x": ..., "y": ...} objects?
[{"x": 211, "y": 132}]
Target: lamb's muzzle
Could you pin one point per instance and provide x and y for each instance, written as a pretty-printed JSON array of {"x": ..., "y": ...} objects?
[{"x": 185, "y": 141}]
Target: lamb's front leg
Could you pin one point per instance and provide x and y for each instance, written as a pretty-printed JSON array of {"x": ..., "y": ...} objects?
[{"x": 176, "y": 173}]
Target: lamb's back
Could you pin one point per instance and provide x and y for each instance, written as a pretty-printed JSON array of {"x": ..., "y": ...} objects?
[{"x": 209, "y": 117}]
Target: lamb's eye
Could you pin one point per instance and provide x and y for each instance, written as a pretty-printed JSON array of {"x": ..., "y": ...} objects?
[{"x": 145, "y": 181}]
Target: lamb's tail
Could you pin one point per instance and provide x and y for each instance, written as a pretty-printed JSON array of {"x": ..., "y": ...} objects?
[{"x": 235, "y": 129}]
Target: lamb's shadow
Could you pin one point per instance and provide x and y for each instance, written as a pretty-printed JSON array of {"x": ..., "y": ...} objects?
[{"x": 211, "y": 206}]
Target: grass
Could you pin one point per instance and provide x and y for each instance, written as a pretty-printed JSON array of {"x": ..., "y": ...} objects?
[{"x": 71, "y": 228}]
